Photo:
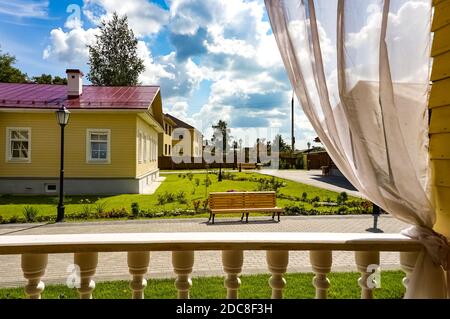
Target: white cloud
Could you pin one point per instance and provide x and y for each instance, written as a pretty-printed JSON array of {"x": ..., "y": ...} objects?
[
  {"x": 145, "y": 18},
  {"x": 25, "y": 9},
  {"x": 70, "y": 47}
]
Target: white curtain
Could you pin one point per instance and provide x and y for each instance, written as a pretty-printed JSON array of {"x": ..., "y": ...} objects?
[{"x": 360, "y": 70}]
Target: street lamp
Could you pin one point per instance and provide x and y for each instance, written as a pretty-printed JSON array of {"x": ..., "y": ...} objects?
[{"x": 62, "y": 116}]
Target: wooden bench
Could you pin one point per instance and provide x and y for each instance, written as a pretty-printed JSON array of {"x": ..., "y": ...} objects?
[
  {"x": 248, "y": 165},
  {"x": 243, "y": 202}
]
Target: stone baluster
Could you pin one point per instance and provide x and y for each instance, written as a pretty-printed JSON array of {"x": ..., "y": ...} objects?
[
  {"x": 182, "y": 262},
  {"x": 33, "y": 267},
  {"x": 277, "y": 261},
  {"x": 368, "y": 263},
  {"x": 321, "y": 264},
  {"x": 138, "y": 266},
  {"x": 87, "y": 263},
  {"x": 232, "y": 261},
  {"x": 407, "y": 262}
]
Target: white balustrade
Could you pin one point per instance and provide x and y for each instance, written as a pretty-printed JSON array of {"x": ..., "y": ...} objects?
[
  {"x": 321, "y": 261},
  {"x": 138, "y": 266},
  {"x": 277, "y": 260},
  {"x": 33, "y": 267},
  {"x": 232, "y": 261},
  {"x": 35, "y": 249},
  {"x": 367, "y": 263},
  {"x": 87, "y": 262},
  {"x": 183, "y": 262}
]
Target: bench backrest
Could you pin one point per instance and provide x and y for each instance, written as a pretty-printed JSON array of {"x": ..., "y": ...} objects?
[{"x": 230, "y": 200}]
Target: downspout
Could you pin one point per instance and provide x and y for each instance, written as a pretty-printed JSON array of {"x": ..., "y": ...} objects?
[{"x": 439, "y": 106}]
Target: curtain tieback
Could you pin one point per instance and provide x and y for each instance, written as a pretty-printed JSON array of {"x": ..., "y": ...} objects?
[{"x": 436, "y": 245}]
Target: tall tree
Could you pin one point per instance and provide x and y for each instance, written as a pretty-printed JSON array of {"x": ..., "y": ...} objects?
[
  {"x": 221, "y": 135},
  {"x": 43, "y": 79},
  {"x": 8, "y": 73},
  {"x": 113, "y": 59},
  {"x": 280, "y": 144}
]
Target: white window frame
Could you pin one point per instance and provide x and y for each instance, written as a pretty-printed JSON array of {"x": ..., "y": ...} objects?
[
  {"x": 144, "y": 148},
  {"x": 8, "y": 152},
  {"x": 91, "y": 160},
  {"x": 140, "y": 155}
]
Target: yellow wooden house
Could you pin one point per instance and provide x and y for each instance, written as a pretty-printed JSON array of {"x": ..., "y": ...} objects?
[{"x": 111, "y": 140}]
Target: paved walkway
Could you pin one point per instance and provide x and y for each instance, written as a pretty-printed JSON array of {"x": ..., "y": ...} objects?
[
  {"x": 114, "y": 265},
  {"x": 315, "y": 178}
]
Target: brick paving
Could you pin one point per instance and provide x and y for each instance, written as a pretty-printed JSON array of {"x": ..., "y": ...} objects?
[{"x": 113, "y": 266}]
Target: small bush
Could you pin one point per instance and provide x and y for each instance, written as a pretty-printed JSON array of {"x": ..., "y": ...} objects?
[
  {"x": 86, "y": 207},
  {"x": 30, "y": 213},
  {"x": 304, "y": 197},
  {"x": 342, "y": 210},
  {"x": 197, "y": 181},
  {"x": 342, "y": 198},
  {"x": 315, "y": 199},
  {"x": 100, "y": 206},
  {"x": 205, "y": 204},
  {"x": 196, "y": 203},
  {"x": 14, "y": 219},
  {"x": 190, "y": 176},
  {"x": 135, "y": 209},
  {"x": 161, "y": 199}
]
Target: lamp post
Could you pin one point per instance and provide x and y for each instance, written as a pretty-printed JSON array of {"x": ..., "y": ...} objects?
[{"x": 62, "y": 116}]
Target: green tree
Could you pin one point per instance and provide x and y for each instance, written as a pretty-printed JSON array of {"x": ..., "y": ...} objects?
[
  {"x": 113, "y": 59},
  {"x": 221, "y": 135},
  {"x": 8, "y": 73},
  {"x": 59, "y": 80},
  {"x": 280, "y": 144},
  {"x": 43, "y": 79}
]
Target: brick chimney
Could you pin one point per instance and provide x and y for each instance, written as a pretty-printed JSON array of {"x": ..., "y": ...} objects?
[{"x": 74, "y": 82}]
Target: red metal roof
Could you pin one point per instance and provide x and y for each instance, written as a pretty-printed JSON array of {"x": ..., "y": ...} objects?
[{"x": 51, "y": 96}]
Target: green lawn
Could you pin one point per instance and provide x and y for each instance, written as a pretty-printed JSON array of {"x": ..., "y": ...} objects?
[
  {"x": 343, "y": 286},
  {"x": 175, "y": 184}
]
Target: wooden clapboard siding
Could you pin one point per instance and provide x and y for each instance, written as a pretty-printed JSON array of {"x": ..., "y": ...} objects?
[
  {"x": 440, "y": 115},
  {"x": 148, "y": 133},
  {"x": 45, "y": 145}
]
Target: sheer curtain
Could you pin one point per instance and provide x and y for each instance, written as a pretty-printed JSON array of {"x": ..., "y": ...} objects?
[{"x": 360, "y": 70}]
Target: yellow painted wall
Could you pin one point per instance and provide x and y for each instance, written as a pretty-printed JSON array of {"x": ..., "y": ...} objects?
[
  {"x": 147, "y": 164},
  {"x": 45, "y": 141},
  {"x": 440, "y": 115}
]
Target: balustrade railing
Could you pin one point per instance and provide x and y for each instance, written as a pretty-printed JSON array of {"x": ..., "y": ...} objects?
[{"x": 85, "y": 247}]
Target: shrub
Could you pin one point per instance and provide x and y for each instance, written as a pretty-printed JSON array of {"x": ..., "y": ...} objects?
[
  {"x": 161, "y": 199},
  {"x": 190, "y": 176},
  {"x": 13, "y": 219},
  {"x": 342, "y": 198},
  {"x": 342, "y": 210},
  {"x": 196, "y": 203},
  {"x": 304, "y": 197},
  {"x": 30, "y": 213},
  {"x": 181, "y": 197},
  {"x": 207, "y": 181},
  {"x": 197, "y": 181},
  {"x": 100, "y": 206},
  {"x": 86, "y": 207},
  {"x": 205, "y": 204},
  {"x": 135, "y": 209},
  {"x": 315, "y": 199},
  {"x": 170, "y": 197}
]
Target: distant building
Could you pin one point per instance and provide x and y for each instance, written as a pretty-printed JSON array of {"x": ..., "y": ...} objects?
[{"x": 187, "y": 141}]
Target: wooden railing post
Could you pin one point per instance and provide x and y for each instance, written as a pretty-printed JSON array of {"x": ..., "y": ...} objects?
[
  {"x": 277, "y": 261},
  {"x": 33, "y": 267},
  {"x": 232, "y": 261},
  {"x": 87, "y": 262},
  {"x": 182, "y": 262},
  {"x": 321, "y": 264},
  {"x": 138, "y": 266},
  {"x": 364, "y": 259}
]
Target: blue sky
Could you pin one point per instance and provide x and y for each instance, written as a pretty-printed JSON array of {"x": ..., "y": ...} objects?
[{"x": 214, "y": 59}]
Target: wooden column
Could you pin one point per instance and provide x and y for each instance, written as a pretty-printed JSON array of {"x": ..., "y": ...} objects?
[{"x": 439, "y": 105}]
